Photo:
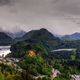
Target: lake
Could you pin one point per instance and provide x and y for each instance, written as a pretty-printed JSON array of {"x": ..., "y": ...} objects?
[
  {"x": 58, "y": 50},
  {"x": 4, "y": 50}
]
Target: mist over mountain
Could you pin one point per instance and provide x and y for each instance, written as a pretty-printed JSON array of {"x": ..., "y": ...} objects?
[{"x": 16, "y": 34}]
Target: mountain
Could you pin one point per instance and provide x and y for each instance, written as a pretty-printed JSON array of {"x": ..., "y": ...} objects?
[
  {"x": 16, "y": 34},
  {"x": 5, "y": 39},
  {"x": 36, "y": 39},
  {"x": 40, "y": 35},
  {"x": 74, "y": 36}
]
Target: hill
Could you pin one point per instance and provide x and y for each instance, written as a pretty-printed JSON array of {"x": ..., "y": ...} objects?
[
  {"x": 74, "y": 36},
  {"x": 5, "y": 39},
  {"x": 42, "y": 35},
  {"x": 36, "y": 39}
]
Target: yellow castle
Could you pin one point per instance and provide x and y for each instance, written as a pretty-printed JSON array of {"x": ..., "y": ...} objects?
[{"x": 31, "y": 53}]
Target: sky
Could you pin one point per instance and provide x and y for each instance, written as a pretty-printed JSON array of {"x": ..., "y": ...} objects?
[{"x": 58, "y": 16}]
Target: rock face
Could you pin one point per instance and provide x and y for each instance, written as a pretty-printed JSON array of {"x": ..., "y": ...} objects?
[
  {"x": 75, "y": 77},
  {"x": 55, "y": 73}
]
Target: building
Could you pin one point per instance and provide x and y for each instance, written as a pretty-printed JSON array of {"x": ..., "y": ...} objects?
[{"x": 31, "y": 53}]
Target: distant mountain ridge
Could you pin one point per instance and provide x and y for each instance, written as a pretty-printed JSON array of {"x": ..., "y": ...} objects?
[
  {"x": 7, "y": 38},
  {"x": 16, "y": 34},
  {"x": 74, "y": 36}
]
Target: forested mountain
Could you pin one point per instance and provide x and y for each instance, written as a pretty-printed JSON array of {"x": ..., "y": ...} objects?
[
  {"x": 41, "y": 39},
  {"x": 5, "y": 39},
  {"x": 37, "y": 34}
]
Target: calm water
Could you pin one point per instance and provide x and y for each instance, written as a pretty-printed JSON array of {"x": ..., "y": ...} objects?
[{"x": 4, "y": 50}]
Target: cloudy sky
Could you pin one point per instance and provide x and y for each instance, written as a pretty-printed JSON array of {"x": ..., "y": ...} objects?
[{"x": 58, "y": 16}]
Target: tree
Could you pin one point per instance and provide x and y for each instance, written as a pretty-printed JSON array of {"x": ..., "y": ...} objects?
[{"x": 35, "y": 65}]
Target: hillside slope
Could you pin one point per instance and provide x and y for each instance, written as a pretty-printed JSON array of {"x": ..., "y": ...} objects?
[
  {"x": 5, "y": 39},
  {"x": 39, "y": 39}
]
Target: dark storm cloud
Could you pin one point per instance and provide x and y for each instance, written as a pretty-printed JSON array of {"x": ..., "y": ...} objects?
[
  {"x": 62, "y": 16},
  {"x": 6, "y": 2},
  {"x": 68, "y": 6}
]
